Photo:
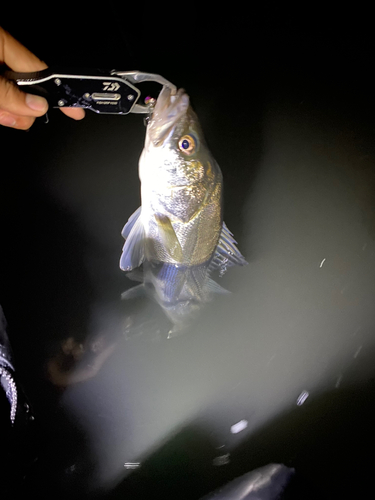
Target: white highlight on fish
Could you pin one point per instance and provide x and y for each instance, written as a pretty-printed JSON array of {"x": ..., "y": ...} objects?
[
  {"x": 321, "y": 264},
  {"x": 302, "y": 398},
  {"x": 177, "y": 238},
  {"x": 239, "y": 426}
]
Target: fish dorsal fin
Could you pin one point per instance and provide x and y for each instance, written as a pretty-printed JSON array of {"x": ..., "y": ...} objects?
[
  {"x": 226, "y": 253},
  {"x": 169, "y": 237},
  {"x": 133, "y": 252}
]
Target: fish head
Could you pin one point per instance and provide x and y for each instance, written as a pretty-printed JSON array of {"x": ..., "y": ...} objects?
[{"x": 175, "y": 152}]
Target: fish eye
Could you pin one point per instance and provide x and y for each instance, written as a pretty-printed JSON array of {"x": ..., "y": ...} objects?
[{"x": 187, "y": 144}]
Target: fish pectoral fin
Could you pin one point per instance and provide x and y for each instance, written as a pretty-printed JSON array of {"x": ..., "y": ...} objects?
[
  {"x": 133, "y": 252},
  {"x": 131, "y": 221},
  {"x": 134, "y": 293},
  {"x": 213, "y": 287},
  {"x": 169, "y": 237},
  {"x": 226, "y": 253}
]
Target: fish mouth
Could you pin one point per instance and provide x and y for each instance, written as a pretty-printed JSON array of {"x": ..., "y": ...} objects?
[{"x": 170, "y": 107}]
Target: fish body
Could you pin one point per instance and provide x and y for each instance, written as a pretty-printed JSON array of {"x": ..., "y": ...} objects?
[{"x": 177, "y": 237}]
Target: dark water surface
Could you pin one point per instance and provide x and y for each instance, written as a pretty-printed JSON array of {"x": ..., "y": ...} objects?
[{"x": 287, "y": 109}]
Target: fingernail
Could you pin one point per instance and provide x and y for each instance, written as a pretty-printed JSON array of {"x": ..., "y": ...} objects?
[
  {"x": 7, "y": 121},
  {"x": 36, "y": 102}
]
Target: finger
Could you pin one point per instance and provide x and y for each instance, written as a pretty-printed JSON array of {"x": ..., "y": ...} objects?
[
  {"x": 16, "y": 56},
  {"x": 19, "y": 58},
  {"x": 75, "y": 113},
  {"x": 14, "y": 121},
  {"x": 16, "y": 102}
]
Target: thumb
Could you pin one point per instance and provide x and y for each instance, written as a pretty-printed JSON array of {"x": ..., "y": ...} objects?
[{"x": 16, "y": 102}]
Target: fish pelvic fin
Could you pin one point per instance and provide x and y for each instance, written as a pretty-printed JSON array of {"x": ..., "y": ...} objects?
[
  {"x": 136, "y": 292},
  {"x": 136, "y": 275}
]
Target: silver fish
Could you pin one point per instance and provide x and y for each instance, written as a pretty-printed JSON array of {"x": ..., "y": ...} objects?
[{"x": 177, "y": 237}]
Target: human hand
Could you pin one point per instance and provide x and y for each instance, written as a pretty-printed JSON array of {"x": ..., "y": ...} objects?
[{"x": 18, "y": 109}]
